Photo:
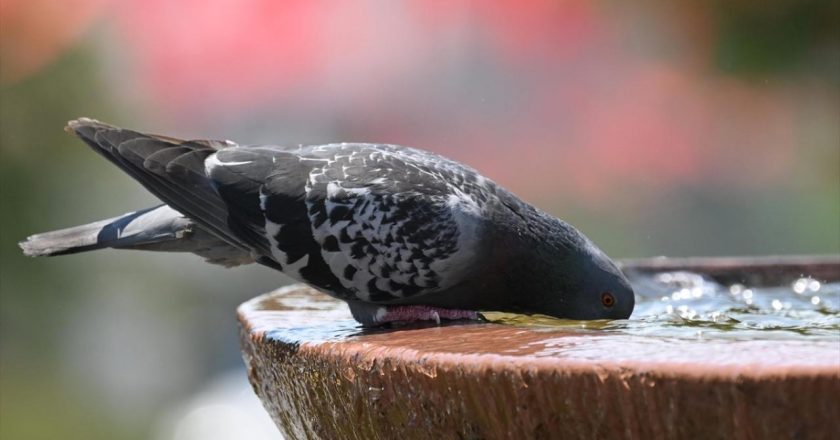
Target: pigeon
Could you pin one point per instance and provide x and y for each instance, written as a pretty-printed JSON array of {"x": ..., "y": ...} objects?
[{"x": 399, "y": 234}]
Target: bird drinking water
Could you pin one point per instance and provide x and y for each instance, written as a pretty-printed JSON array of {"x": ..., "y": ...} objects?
[{"x": 398, "y": 233}]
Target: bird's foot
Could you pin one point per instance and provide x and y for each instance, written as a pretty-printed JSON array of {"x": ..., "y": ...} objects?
[
  {"x": 375, "y": 315},
  {"x": 411, "y": 314}
]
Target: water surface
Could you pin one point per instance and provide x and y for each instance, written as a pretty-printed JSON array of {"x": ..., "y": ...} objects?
[{"x": 688, "y": 305}]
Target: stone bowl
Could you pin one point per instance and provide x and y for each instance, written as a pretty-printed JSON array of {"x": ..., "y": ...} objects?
[{"x": 321, "y": 376}]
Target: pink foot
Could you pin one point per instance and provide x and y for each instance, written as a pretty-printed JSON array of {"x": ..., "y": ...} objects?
[{"x": 405, "y": 314}]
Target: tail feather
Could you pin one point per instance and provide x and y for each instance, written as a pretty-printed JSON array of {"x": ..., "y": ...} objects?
[
  {"x": 64, "y": 241},
  {"x": 112, "y": 232},
  {"x": 160, "y": 228}
]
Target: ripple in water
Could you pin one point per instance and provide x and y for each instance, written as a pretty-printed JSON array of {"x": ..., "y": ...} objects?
[{"x": 683, "y": 304}]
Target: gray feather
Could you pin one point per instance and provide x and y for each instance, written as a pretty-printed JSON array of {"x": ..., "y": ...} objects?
[{"x": 160, "y": 228}]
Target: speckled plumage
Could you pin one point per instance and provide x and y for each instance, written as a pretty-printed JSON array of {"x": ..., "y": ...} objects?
[
  {"x": 371, "y": 224},
  {"x": 363, "y": 221}
]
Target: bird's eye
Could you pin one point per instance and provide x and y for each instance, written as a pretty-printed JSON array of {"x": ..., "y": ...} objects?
[{"x": 607, "y": 299}]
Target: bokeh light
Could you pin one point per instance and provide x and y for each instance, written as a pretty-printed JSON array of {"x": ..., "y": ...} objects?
[{"x": 658, "y": 128}]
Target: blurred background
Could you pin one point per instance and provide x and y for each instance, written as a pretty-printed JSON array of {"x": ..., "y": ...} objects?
[{"x": 656, "y": 127}]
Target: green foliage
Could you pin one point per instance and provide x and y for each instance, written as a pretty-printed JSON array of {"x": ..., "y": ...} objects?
[{"x": 774, "y": 36}]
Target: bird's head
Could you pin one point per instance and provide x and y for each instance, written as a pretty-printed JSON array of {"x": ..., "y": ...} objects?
[
  {"x": 557, "y": 269},
  {"x": 598, "y": 289},
  {"x": 576, "y": 280}
]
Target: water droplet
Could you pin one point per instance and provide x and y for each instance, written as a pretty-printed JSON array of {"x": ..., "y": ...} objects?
[{"x": 665, "y": 278}]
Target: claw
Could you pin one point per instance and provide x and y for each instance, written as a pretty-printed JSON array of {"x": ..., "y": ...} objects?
[{"x": 424, "y": 313}]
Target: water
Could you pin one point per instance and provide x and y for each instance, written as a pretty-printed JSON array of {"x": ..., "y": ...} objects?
[{"x": 688, "y": 305}]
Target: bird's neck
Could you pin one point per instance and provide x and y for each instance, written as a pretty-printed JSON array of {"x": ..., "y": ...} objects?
[{"x": 529, "y": 247}]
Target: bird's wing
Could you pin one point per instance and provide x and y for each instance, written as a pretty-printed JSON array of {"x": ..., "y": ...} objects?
[
  {"x": 244, "y": 177},
  {"x": 174, "y": 170},
  {"x": 383, "y": 222},
  {"x": 361, "y": 221}
]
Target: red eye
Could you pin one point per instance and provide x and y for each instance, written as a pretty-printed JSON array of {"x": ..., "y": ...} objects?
[{"x": 607, "y": 299}]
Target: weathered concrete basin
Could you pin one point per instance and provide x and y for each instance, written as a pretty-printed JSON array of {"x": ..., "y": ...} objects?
[{"x": 320, "y": 376}]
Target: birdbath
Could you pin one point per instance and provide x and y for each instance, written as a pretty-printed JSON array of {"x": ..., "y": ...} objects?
[{"x": 664, "y": 375}]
